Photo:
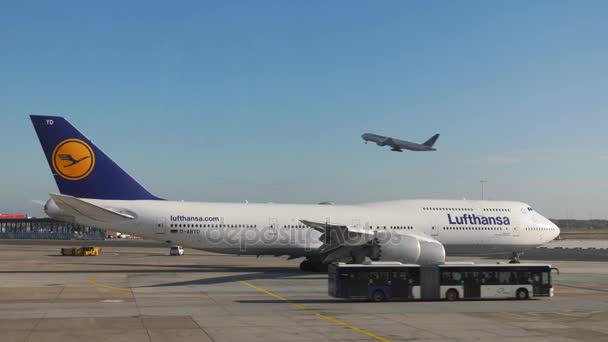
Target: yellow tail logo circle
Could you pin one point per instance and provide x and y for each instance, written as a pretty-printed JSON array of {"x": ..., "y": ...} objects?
[{"x": 73, "y": 159}]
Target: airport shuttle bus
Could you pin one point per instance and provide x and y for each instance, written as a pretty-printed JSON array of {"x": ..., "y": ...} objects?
[{"x": 380, "y": 281}]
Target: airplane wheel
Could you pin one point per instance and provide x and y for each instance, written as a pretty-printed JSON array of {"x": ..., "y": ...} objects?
[
  {"x": 320, "y": 267},
  {"x": 306, "y": 266},
  {"x": 313, "y": 265}
]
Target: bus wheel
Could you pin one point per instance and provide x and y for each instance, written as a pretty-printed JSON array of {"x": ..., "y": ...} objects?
[
  {"x": 452, "y": 295},
  {"x": 522, "y": 294},
  {"x": 378, "y": 296}
]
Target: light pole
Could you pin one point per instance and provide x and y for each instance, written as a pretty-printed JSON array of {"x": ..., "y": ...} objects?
[{"x": 483, "y": 182}]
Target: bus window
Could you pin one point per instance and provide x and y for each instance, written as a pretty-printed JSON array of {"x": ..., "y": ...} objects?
[
  {"x": 446, "y": 277},
  {"x": 489, "y": 278},
  {"x": 507, "y": 278},
  {"x": 400, "y": 275},
  {"x": 451, "y": 278},
  {"x": 523, "y": 278}
]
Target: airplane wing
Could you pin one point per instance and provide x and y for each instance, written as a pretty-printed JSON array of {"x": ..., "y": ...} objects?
[
  {"x": 338, "y": 239},
  {"x": 335, "y": 233},
  {"x": 395, "y": 145},
  {"x": 77, "y": 207},
  {"x": 389, "y": 141}
]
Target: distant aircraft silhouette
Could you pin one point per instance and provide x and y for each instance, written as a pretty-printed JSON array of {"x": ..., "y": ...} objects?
[
  {"x": 68, "y": 157},
  {"x": 398, "y": 145}
]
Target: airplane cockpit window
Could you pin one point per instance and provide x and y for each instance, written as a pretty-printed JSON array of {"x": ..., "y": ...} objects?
[{"x": 530, "y": 209}]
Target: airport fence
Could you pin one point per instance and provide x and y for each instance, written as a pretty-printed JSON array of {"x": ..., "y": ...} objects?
[{"x": 52, "y": 236}]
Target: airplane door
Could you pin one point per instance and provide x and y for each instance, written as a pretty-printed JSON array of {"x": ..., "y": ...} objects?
[
  {"x": 274, "y": 225},
  {"x": 161, "y": 225},
  {"x": 515, "y": 231},
  {"x": 478, "y": 210},
  {"x": 434, "y": 231},
  {"x": 435, "y": 226}
]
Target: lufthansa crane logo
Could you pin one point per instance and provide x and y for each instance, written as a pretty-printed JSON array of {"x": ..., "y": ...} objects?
[{"x": 73, "y": 159}]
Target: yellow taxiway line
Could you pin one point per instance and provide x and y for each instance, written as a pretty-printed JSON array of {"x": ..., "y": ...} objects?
[
  {"x": 318, "y": 314},
  {"x": 91, "y": 280}
]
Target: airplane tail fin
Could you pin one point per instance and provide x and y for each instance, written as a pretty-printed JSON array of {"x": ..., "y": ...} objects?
[
  {"x": 431, "y": 141},
  {"x": 80, "y": 168}
]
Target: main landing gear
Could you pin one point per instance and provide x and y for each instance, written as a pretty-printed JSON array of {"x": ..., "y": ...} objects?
[
  {"x": 515, "y": 258},
  {"x": 313, "y": 265}
]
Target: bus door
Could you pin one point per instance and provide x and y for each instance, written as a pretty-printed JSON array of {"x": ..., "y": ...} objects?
[
  {"x": 472, "y": 285},
  {"x": 541, "y": 281},
  {"x": 356, "y": 285},
  {"x": 400, "y": 284}
]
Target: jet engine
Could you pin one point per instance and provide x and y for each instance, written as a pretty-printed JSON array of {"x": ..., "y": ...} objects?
[
  {"x": 53, "y": 211},
  {"x": 410, "y": 249}
]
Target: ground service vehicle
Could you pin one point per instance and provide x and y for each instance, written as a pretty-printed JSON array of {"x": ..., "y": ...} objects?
[
  {"x": 176, "y": 251},
  {"x": 380, "y": 281},
  {"x": 81, "y": 251}
]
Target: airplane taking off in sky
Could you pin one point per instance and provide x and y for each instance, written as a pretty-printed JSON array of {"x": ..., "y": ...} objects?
[
  {"x": 95, "y": 191},
  {"x": 398, "y": 145}
]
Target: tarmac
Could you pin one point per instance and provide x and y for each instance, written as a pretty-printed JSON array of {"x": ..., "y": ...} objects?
[{"x": 135, "y": 291}]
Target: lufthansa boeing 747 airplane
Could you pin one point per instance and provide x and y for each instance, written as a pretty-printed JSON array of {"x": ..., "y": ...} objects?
[{"x": 95, "y": 191}]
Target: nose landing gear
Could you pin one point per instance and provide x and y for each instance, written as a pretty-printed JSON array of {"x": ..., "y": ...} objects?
[{"x": 515, "y": 258}]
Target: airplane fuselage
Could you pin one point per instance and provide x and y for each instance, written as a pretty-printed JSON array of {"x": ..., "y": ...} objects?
[{"x": 463, "y": 227}]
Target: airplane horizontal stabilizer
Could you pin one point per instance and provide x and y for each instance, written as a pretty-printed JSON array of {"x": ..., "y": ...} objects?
[{"x": 76, "y": 207}]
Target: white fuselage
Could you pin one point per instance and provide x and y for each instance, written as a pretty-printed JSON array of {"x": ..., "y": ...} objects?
[{"x": 463, "y": 227}]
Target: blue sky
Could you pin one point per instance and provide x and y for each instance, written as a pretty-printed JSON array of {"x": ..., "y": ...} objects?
[{"x": 266, "y": 100}]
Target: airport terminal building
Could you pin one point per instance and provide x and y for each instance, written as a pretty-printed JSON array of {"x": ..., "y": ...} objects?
[{"x": 20, "y": 226}]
